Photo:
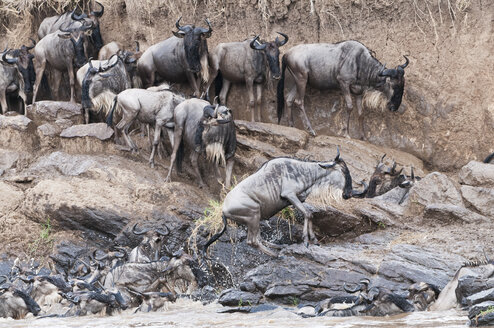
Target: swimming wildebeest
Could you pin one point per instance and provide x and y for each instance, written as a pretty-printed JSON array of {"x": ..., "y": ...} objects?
[
  {"x": 202, "y": 127},
  {"x": 15, "y": 303},
  {"x": 63, "y": 50},
  {"x": 183, "y": 57},
  {"x": 11, "y": 83},
  {"x": 150, "y": 247},
  {"x": 246, "y": 62},
  {"x": 24, "y": 63},
  {"x": 348, "y": 66},
  {"x": 71, "y": 19},
  {"x": 154, "y": 106},
  {"x": 279, "y": 183}
]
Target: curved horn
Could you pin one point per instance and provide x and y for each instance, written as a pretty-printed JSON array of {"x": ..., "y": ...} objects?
[
  {"x": 254, "y": 45},
  {"x": 210, "y": 28},
  {"x": 65, "y": 28},
  {"x": 8, "y": 60},
  {"x": 162, "y": 232},
  {"x": 412, "y": 174},
  {"x": 337, "y": 158},
  {"x": 406, "y": 63},
  {"x": 90, "y": 62},
  {"x": 137, "y": 46},
  {"x": 216, "y": 110},
  {"x": 120, "y": 255},
  {"x": 382, "y": 158},
  {"x": 86, "y": 27},
  {"x": 76, "y": 17},
  {"x": 33, "y": 42},
  {"x": 139, "y": 232},
  {"x": 100, "y": 12},
  {"x": 177, "y": 24},
  {"x": 281, "y": 43},
  {"x": 352, "y": 290}
]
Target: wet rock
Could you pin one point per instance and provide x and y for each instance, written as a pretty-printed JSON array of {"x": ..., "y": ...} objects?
[
  {"x": 477, "y": 174},
  {"x": 232, "y": 297},
  {"x": 66, "y": 254},
  {"x": 42, "y": 112},
  {"x": 283, "y": 137},
  {"x": 471, "y": 285},
  {"x": 480, "y": 198},
  {"x": 485, "y": 295},
  {"x": 482, "y": 314},
  {"x": 18, "y": 133},
  {"x": 10, "y": 199},
  {"x": 450, "y": 214},
  {"x": 435, "y": 188}
]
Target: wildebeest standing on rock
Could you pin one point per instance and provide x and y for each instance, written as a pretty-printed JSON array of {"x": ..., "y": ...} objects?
[
  {"x": 279, "y": 183},
  {"x": 348, "y": 66},
  {"x": 249, "y": 62},
  {"x": 11, "y": 83},
  {"x": 203, "y": 127},
  {"x": 62, "y": 50},
  {"x": 183, "y": 57},
  {"x": 154, "y": 106},
  {"x": 24, "y": 63}
]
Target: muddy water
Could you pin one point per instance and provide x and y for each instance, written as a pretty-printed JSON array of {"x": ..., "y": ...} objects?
[{"x": 185, "y": 313}]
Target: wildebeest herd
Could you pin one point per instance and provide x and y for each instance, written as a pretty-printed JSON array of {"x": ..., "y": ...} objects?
[{"x": 129, "y": 87}]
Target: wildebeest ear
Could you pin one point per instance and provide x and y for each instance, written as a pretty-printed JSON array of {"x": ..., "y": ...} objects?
[
  {"x": 179, "y": 34},
  {"x": 327, "y": 165},
  {"x": 64, "y": 36}
]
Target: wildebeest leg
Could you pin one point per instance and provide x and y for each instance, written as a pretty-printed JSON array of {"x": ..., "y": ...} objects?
[
  {"x": 254, "y": 234},
  {"x": 249, "y": 84},
  {"x": 40, "y": 69},
  {"x": 124, "y": 126},
  {"x": 177, "y": 139},
  {"x": 156, "y": 140},
  {"x": 293, "y": 199},
  {"x": 170, "y": 135},
  {"x": 228, "y": 171},
  {"x": 301, "y": 83},
  {"x": 360, "y": 109},
  {"x": 289, "y": 99},
  {"x": 193, "y": 82},
  {"x": 193, "y": 160},
  {"x": 72, "y": 84},
  {"x": 258, "y": 105},
  {"x": 3, "y": 101},
  {"x": 224, "y": 91},
  {"x": 56, "y": 78},
  {"x": 345, "y": 88}
]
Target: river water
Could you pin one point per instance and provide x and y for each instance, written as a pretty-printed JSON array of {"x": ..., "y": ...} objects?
[{"x": 186, "y": 313}]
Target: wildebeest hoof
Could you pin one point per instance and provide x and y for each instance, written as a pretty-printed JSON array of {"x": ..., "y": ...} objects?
[
  {"x": 306, "y": 243},
  {"x": 151, "y": 164},
  {"x": 312, "y": 132}
]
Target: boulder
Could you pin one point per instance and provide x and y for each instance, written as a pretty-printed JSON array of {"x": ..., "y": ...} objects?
[
  {"x": 99, "y": 131},
  {"x": 18, "y": 133},
  {"x": 482, "y": 314},
  {"x": 8, "y": 159},
  {"x": 42, "y": 112},
  {"x": 483, "y": 296},
  {"x": 477, "y": 174},
  {"x": 233, "y": 297},
  {"x": 435, "y": 188},
  {"x": 49, "y": 133},
  {"x": 449, "y": 214},
  {"x": 480, "y": 198},
  {"x": 470, "y": 285},
  {"x": 87, "y": 138},
  {"x": 10, "y": 199}
]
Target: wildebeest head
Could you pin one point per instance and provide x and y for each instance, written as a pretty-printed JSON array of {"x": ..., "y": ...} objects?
[
  {"x": 272, "y": 52},
  {"x": 24, "y": 62},
  {"x": 152, "y": 242},
  {"x": 76, "y": 35},
  {"x": 117, "y": 301},
  {"x": 218, "y": 114},
  {"x": 422, "y": 295},
  {"x": 31, "y": 304},
  {"x": 130, "y": 59},
  {"x": 93, "y": 18},
  {"x": 90, "y": 74},
  {"x": 394, "y": 85},
  {"x": 195, "y": 43}
]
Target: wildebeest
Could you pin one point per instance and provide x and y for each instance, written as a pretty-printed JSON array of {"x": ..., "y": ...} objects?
[
  {"x": 246, "y": 62},
  {"x": 183, "y": 57},
  {"x": 202, "y": 127},
  {"x": 150, "y": 247},
  {"x": 16, "y": 304},
  {"x": 90, "y": 302},
  {"x": 11, "y": 83},
  {"x": 129, "y": 58},
  {"x": 70, "y": 20},
  {"x": 24, "y": 63},
  {"x": 154, "y": 106},
  {"x": 102, "y": 81},
  {"x": 62, "y": 50},
  {"x": 278, "y": 183},
  {"x": 154, "y": 301},
  {"x": 348, "y": 66}
]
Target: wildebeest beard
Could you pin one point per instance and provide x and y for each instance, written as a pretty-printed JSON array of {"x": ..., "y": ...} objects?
[
  {"x": 80, "y": 57},
  {"x": 223, "y": 134},
  {"x": 86, "y": 83},
  {"x": 194, "y": 49},
  {"x": 259, "y": 63},
  {"x": 96, "y": 38},
  {"x": 397, "y": 95}
]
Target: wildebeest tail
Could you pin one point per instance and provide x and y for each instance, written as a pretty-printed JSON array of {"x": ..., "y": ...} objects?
[
  {"x": 180, "y": 155},
  {"x": 109, "y": 119},
  {"x": 218, "y": 84},
  {"x": 489, "y": 158},
  {"x": 215, "y": 237},
  {"x": 280, "y": 93}
]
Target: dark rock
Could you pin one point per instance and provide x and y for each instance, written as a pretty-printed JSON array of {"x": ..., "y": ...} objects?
[
  {"x": 482, "y": 314},
  {"x": 233, "y": 297},
  {"x": 480, "y": 198},
  {"x": 485, "y": 295},
  {"x": 470, "y": 285},
  {"x": 477, "y": 174}
]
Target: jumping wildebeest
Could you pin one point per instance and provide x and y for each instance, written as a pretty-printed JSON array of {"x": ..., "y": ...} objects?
[
  {"x": 150, "y": 247},
  {"x": 202, "y": 127},
  {"x": 24, "y": 62},
  {"x": 279, "y": 183},
  {"x": 16, "y": 304},
  {"x": 489, "y": 158},
  {"x": 89, "y": 302},
  {"x": 154, "y": 106},
  {"x": 11, "y": 83},
  {"x": 183, "y": 57},
  {"x": 101, "y": 84},
  {"x": 63, "y": 50},
  {"x": 348, "y": 66},
  {"x": 246, "y": 62},
  {"x": 70, "y": 20}
]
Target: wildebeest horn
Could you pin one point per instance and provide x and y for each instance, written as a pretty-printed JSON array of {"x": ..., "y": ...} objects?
[
  {"x": 337, "y": 158},
  {"x": 104, "y": 257},
  {"x": 216, "y": 110},
  {"x": 382, "y": 158},
  {"x": 137, "y": 46},
  {"x": 33, "y": 42},
  {"x": 8, "y": 60},
  {"x": 100, "y": 12},
  {"x": 254, "y": 45},
  {"x": 141, "y": 232},
  {"x": 163, "y": 232},
  {"x": 87, "y": 26},
  {"x": 209, "y": 110},
  {"x": 281, "y": 43},
  {"x": 412, "y": 175},
  {"x": 406, "y": 63},
  {"x": 90, "y": 62},
  {"x": 76, "y": 17},
  {"x": 66, "y": 29},
  {"x": 177, "y": 24},
  {"x": 210, "y": 28},
  {"x": 352, "y": 290}
]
